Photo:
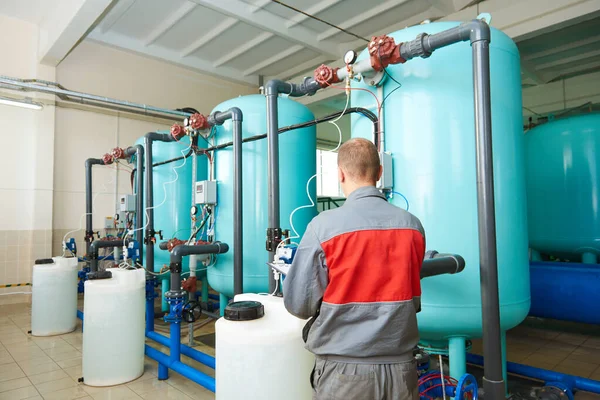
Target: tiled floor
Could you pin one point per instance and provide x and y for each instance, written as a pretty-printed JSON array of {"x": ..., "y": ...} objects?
[
  {"x": 48, "y": 367},
  {"x": 571, "y": 353}
]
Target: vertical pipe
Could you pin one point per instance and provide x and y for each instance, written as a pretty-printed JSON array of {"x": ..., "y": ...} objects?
[
  {"x": 164, "y": 286},
  {"x": 175, "y": 338},
  {"x": 493, "y": 383},
  {"x": 589, "y": 258},
  {"x": 238, "y": 273},
  {"x": 139, "y": 200},
  {"x": 89, "y": 229},
  {"x": 205, "y": 290},
  {"x": 273, "y": 167},
  {"x": 504, "y": 359},
  {"x": 149, "y": 197},
  {"x": 457, "y": 353},
  {"x": 223, "y": 301},
  {"x": 149, "y": 314}
]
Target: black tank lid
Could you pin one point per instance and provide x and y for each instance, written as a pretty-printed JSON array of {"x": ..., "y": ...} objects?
[
  {"x": 99, "y": 275},
  {"x": 244, "y": 311},
  {"x": 44, "y": 261}
]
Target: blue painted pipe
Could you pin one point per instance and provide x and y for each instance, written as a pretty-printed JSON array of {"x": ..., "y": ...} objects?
[
  {"x": 565, "y": 291},
  {"x": 574, "y": 382},
  {"x": 149, "y": 315},
  {"x": 187, "y": 351},
  {"x": 179, "y": 367},
  {"x": 80, "y": 316}
]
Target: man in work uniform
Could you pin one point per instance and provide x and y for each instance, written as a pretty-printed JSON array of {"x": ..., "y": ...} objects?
[{"x": 356, "y": 275}]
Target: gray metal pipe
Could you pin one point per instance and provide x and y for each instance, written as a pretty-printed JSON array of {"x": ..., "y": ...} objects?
[
  {"x": 217, "y": 118},
  {"x": 149, "y": 138},
  {"x": 138, "y": 150},
  {"x": 439, "y": 264},
  {"x": 89, "y": 207},
  {"x": 183, "y": 250},
  {"x": 272, "y": 89},
  {"x": 19, "y": 84},
  {"x": 95, "y": 247}
]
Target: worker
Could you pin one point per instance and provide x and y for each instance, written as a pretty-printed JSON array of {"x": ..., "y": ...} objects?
[{"x": 356, "y": 276}]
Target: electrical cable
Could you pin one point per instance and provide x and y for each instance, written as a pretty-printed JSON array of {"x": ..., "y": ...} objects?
[
  {"x": 320, "y": 20},
  {"x": 404, "y": 197}
]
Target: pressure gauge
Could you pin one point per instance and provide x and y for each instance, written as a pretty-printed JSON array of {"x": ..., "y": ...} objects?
[
  {"x": 350, "y": 57},
  {"x": 194, "y": 210}
]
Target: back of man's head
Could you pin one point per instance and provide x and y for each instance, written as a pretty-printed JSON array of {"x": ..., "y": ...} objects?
[{"x": 359, "y": 160}]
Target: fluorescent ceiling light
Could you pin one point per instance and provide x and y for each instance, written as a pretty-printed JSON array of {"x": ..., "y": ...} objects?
[{"x": 26, "y": 103}]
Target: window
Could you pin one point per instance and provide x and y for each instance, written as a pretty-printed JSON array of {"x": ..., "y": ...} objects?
[{"x": 327, "y": 178}]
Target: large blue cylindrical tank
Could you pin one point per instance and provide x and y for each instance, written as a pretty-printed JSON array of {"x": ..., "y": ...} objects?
[
  {"x": 430, "y": 131},
  {"x": 563, "y": 186},
  {"x": 297, "y": 164},
  {"x": 172, "y": 201}
]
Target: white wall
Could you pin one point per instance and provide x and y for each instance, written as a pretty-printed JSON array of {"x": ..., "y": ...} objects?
[{"x": 26, "y": 179}]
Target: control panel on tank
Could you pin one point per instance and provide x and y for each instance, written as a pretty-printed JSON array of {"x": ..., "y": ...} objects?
[{"x": 206, "y": 192}]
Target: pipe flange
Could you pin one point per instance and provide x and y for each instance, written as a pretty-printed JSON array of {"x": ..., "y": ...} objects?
[
  {"x": 107, "y": 159},
  {"x": 118, "y": 153},
  {"x": 417, "y": 47},
  {"x": 326, "y": 76},
  {"x": 199, "y": 122},
  {"x": 177, "y": 131}
]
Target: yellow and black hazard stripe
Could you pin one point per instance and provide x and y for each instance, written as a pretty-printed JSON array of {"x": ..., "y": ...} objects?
[{"x": 15, "y": 285}]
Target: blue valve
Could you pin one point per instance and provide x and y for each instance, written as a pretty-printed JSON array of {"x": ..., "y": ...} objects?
[{"x": 287, "y": 253}]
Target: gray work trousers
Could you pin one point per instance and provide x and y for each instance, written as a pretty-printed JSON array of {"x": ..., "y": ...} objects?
[{"x": 344, "y": 381}]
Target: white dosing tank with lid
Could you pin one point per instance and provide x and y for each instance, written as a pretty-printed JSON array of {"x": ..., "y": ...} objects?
[
  {"x": 113, "y": 334},
  {"x": 262, "y": 358},
  {"x": 54, "y": 296}
]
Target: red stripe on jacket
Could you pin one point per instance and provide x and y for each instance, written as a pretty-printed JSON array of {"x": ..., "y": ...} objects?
[{"x": 374, "y": 266}]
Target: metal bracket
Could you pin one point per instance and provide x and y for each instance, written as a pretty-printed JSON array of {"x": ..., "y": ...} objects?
[{"x": 273, "y": 238}]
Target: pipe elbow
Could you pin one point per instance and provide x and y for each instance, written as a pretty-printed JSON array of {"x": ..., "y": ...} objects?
[
  {"x": 236, "y": 114},
  {"x": 163, "y": 137},
  {"x": 135, "y": 149},
  {"x": 476, "y": 30},
  {"x": 275, "y": 86},
  {"x": 93, "y": 161}
]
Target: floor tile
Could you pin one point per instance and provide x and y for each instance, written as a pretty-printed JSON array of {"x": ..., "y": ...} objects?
[
  {"x": 577, "y": 368},
  {"x": 59, "y": 348},
  {"x": 19, "y": 394},
  {"x": 10, "y": 371},
  {"x": 67, "y": 394},
  {"x": 190, "y": 388},
  {"x": 36, "y": 369},
  {"x": 67, "y": 355},
  {"x": 572, "y": 338},
  {"x": 73, "y": 362},
  {"x": 14, "y": 384},
  {"x": 169, "y": 393},
  {"x": 6, "y": 358},
  {"x": 27, "y": 353},
  {"x": 147, "y": 385},
  {"x": 74, "y": 372},
  {"x": 56, "y": 385},
  {"x": 48, "y": 376},
  {"x": 114, "y": 393}
]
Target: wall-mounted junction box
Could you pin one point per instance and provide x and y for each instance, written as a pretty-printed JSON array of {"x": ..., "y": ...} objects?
[
  {"x": 127, "y": 203},
  {"x": 206, "y": 192},
  {"x": 387, "y": 176}
]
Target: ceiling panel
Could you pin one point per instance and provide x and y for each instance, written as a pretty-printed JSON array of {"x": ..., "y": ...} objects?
[
  {"x": 226, "y": 41},
  {"x": 194, "y": 25},
  {"x": 144, "y": 16},
  {"x": 289, "y": 62},
  {"x": 260, "y": 53}
]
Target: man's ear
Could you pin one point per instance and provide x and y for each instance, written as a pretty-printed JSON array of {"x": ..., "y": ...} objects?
[
  {"x": 380, "y": 173},
  {"x": 341, "y": 175}
]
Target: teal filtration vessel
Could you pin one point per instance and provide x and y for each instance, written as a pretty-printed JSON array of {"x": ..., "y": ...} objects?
[
  {"x": 563, "y": 188},
  {"x": 172, "y": 201},
  {"x": 297, "y": 164},
  {"x": 429, "y": 129}
]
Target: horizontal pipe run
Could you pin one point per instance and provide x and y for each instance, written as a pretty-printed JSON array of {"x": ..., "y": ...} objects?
[
  {"x": 576, "y": 382},
  {"x": 192, "y": 374},
  {"x": 183, "y": 250},
  {"x": 19, "y": 84},
  {"x": 187, "y": 351},
  {"x": 439, "y": 264}
]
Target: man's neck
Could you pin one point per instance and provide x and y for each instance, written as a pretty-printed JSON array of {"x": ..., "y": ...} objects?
[{"x": 354, "y": 186}]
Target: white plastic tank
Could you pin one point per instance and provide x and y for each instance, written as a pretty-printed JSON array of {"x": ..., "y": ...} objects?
[
  {"x": 263, "y": 358},
  {"x": 54, "y": 296},
  {"x": 113, "y": 334}
]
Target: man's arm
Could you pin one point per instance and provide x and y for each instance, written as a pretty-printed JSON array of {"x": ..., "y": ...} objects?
[{"x": 305, "y": 284}]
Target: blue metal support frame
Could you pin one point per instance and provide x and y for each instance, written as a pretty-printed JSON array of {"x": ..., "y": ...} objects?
[{"x": 549, "y": 377}]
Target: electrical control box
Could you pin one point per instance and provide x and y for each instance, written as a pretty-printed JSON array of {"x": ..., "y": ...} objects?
[
  {"x": 206, "y": 192},
  {"x": 127, "y": 203},
  {"x": 109, "y": 223},
  {"x": 387, "y": 176}
]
